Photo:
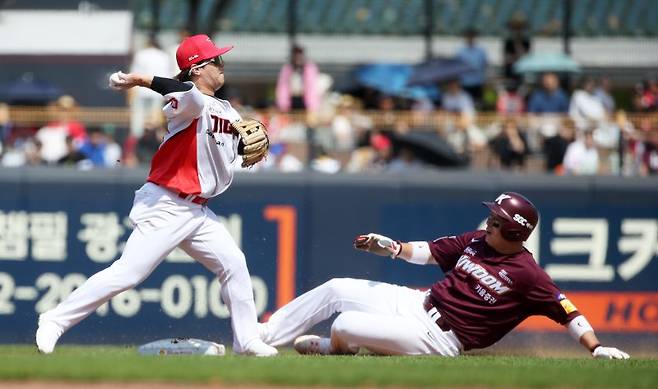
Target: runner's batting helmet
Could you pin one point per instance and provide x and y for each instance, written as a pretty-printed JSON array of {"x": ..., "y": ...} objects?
[{"x": 519, "y": 215}]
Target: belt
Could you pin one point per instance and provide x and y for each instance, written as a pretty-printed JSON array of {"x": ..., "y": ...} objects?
[
  {"x": 186, "y": 196},
  {"x": 193, "y": 198},
  {"x": 435, "y": 314}
]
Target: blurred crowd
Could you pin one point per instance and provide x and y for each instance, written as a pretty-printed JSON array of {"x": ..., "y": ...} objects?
[{"x": 478, "y": 122}]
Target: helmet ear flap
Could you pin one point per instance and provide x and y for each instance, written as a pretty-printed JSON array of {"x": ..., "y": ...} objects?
[{"x": 512, "y": 234}]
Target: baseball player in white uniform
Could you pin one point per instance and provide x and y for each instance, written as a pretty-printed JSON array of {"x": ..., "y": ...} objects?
[{"x": 192, "y": 165}]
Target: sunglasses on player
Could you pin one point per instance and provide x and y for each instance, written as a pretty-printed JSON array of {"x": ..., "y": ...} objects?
[{"x": 217, "y": 61}]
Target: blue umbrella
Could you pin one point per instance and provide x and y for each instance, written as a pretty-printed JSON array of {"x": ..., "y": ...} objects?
[
  {"x": 28, "y": 90},
  {"x": 546, "y": 62},
  {"x": 391, "y": 79},
  {"x": 439, "y": 70}
]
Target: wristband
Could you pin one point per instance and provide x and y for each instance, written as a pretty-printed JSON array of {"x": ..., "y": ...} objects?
[
  {"x": 578, "y": 327},
  {"x": 399, "y": 243},
  {"x": 420, "y": 253}
]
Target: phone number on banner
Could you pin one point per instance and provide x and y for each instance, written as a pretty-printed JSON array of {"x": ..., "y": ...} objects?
[{"x": 177, "y": 295}]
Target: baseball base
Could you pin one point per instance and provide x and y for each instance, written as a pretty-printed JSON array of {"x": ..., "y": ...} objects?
[{"x": 182, "y": 346}]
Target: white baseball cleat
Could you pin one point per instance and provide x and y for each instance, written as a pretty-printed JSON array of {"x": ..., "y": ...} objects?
[
  {"x": 47, "y": 336},
  {"x": 258, "y": 348},
  {"x": 312, "y": 345}
]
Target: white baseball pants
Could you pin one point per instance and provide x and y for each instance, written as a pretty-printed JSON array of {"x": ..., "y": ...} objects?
[
  {"x": 162, "y": 222},
  {"x": 384, "y": 318}
]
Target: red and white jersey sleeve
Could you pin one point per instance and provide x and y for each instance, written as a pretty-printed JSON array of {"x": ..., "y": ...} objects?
[{"x": 198, "y": 151}]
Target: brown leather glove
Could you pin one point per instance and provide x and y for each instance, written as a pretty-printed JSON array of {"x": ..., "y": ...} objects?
[{"x": 254, "y": 141}]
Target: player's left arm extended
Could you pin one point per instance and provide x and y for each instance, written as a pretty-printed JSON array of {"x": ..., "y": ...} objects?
[
  {"x": 580, "y": 329},
  {"x": 413, "y": 252}
]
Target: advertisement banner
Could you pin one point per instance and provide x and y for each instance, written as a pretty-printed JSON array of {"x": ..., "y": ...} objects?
[{"x": 296, "y": 235}]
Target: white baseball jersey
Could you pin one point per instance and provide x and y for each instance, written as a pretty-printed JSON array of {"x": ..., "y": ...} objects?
[
  {"x": 195, "y": 158},
  {"x": 200, "y": 146}
]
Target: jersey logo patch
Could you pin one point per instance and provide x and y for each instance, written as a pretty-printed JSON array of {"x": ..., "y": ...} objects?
[
  {"x": 568, "y": 306},
  {"x": 476, "y": 271}
]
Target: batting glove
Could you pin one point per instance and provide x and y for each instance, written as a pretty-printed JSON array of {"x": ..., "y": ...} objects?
[
  {"x": 609, "y": 353},
  {"x": 378, "y": 244}
]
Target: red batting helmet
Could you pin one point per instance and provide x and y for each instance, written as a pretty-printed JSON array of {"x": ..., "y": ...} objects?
[{"x": 519, "y": 215}]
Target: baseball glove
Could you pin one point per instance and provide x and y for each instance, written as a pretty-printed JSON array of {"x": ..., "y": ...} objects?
[{"x": 254, "y": 142}]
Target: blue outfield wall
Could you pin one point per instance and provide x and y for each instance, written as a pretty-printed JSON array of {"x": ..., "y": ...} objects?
[{"x": 597, "y": 237}]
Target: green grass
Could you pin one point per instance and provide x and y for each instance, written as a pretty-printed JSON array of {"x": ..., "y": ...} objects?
[{"x": 111, "y": 363}]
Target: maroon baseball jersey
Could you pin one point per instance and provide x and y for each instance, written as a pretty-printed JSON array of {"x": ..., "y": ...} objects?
[{"x": 486, "y": 294}]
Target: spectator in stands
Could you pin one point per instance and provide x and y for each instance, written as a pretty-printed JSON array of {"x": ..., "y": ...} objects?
[
  {"x": 646, "y": 96},
  {"x": 94, "y": 148},
  {"x": 297, "y": 85},
  {"x": 474, "y": 55},
  {"x": 556, "y": 146},
  {"x": 633, "y": 142},
  {"x": 33, "y": 153},
  {"x": 582, "y": 157},
  {"x": 586, "y": 109},
  {"x": 12, "y": 157},
  {"x": 602, "y": 92},
  {"x": 6, "y": 126},
  {"x": 53, "y": 141},
  {"x": 383, "y": 151},
  {"x": 405, "y": 161},
  {"x": 387, "y": 114},
  {"x": 324, "y": 162},
  {"x": 550, "y": 98},
  {"x": 342, "y": 126},
  {"x": 649, "y": 156},
  {"x": 516, "y": 45},
  {"x": 510, "y": 145},
  {"x": 281, "y": 159},
  {"x": 100, "y": 149},
  {"x": 53, "y": 135},
  {"x": 143, "y": 101},
  {"x": 509, "y": 100},
  {"x": 20, "y": 146},
  {"x": 373, "y": 156},
  {"x": 455, "y": 99},
  {"x": 66, "y": 110},
  {"x": 73, "y": 156},
  {"x": 463, "y": 135}
]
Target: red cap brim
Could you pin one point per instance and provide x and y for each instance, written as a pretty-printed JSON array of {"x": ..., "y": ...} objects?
[
  {"x": 218, "y": 52},
  {"x": 212, "y": 54}
]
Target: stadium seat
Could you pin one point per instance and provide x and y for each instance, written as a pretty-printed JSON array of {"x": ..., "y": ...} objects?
[{"x": 403, "y": 17}]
